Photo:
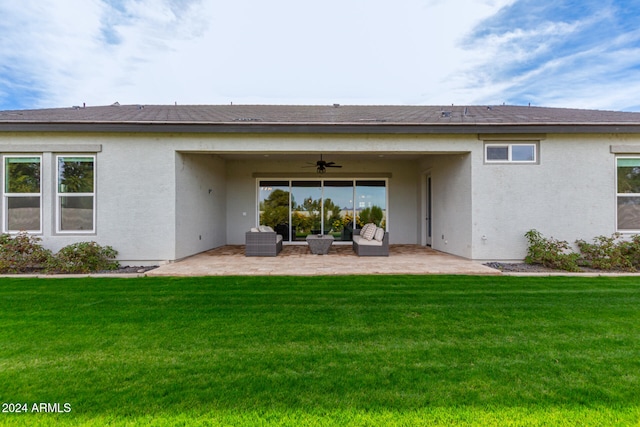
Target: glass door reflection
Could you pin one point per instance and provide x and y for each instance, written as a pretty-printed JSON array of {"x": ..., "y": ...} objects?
[
  {"x": 338, "y": 209},
  {"x": 371, "y": 202},
  {"x": 273, "y": 202},
  {"x": 306, "y": 208}
]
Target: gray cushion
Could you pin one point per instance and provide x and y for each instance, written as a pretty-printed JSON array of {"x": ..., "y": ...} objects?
[{"x": 364, "y": 242}]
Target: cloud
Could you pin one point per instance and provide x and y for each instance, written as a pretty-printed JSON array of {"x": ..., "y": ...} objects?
[
  {"x": 57, "y": 53},
  {"x": 191, "y": 51},
  {"x": 44, "y": 47},
  {"x": 565, "y": 53}
]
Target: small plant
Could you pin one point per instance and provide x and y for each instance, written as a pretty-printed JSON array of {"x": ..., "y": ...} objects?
[
  {"x": 607, "y": 253},
  {"x": 343, "y": 222},
  {"x": 84, "y": 257},
  {"x": 550, "y": 252},
  {"x": 22, "y": 253}
]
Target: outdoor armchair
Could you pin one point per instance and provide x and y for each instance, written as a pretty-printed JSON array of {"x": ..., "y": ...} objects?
[
  {"x": 262, "y": 243},
  {"x": 364, "y": 247}
]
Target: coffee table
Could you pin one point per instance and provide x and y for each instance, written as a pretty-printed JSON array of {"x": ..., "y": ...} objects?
[{"x": 319, "y": 244}]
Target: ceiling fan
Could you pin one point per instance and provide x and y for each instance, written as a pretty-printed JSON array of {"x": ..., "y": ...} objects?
[{"x": 321, "y": 166}]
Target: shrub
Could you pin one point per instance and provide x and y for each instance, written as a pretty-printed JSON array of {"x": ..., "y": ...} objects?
[
  {"x": 373, "y": 214},
  {"x": 22, "y": 253},
  {"x": 550, "y": 252},
  {"x": 84, "y": 257},
  {"x": 631, "y": 249},
  {"x": 607, "y": 253}
]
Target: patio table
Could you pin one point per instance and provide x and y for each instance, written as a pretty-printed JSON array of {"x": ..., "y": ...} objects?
[{"x": 319, "y": 244}]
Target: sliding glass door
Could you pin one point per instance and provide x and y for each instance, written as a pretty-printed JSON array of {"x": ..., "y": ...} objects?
[
  {"x": 297, "y": 208},
  {"x": 371, "y": 197},
  {"x": 338, "y": 209},
  {"x": 273, "y": 206},
  {"x": 306, "y": 208}
]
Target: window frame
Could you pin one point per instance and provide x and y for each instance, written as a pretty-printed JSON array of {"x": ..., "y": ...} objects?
[
  {"x": 624, "y": 195},
  {"x": 6, "y": 195},
  {"x": 355, "y": 209},
  {"x": 509, "y": 146},
  {"x": 59, "y": 195}
]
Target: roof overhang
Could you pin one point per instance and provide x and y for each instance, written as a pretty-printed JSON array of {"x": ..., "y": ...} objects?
[{"x": 317, "y": 128}]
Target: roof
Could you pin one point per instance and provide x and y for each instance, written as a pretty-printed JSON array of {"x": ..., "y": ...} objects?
[{"x": 309, "y": 118}]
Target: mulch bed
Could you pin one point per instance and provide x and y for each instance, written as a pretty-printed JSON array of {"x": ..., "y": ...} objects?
[
  {"x": 131, "y": 269},
  {"x": 521, "y": 267},
  {"x": 122, "y": 270}
]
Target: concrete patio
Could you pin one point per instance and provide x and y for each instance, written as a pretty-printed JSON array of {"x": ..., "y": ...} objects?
[{"x": 297, "y": 260}]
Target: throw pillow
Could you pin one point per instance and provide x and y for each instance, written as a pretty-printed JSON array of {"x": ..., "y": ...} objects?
[
  {"x": 368, "y": 231},
  {"x": 265, "y": 229},
  {"x": 379, "y": 235},
  {"x": 363, "y": 230}
]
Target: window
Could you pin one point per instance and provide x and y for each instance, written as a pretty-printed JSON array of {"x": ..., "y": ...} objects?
[
  {"x": 338, "y": 207},
  {"x": 298, "y": 208},
  {"x": 510, "y": 153},
  {"x": 75, "y": 194},
  {"x": 22, "y": 194},
  {"x": 371, "y": 202},
  {"x": 628, "y": 194}
]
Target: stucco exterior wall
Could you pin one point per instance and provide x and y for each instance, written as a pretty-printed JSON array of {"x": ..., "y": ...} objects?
[
  {"x": 243, "y": 176},
  {"x": 313, "y": 145},
  {"x": 136, "y": 201},
  {"x": 451, "y": 202},
  {"x": 404, "y": 223},
  {"x": 201, "y": 200},
  {"x": 164, "y": 197},
  {"x": 135, "y": 192},
  {"x": 569, "y": 195}
]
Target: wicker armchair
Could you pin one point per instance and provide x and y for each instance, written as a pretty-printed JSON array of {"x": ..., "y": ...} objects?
[
  {"x": 366, "y": 248},
  {"x": 262, "y": 243}
]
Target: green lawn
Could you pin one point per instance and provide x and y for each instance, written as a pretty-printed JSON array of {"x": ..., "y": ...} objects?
[{"x": 363, "y": 351}]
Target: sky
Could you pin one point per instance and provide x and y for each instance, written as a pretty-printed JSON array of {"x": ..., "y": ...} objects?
[{"x": 560, "y": 53}]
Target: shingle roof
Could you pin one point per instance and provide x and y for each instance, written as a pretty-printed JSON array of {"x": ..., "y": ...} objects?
[
  {"x": 244, "y": 116},
  {"x": 319, "y": 114}
]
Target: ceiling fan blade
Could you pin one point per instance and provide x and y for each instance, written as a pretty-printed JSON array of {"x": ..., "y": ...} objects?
[{"x": 321, "y": 165}]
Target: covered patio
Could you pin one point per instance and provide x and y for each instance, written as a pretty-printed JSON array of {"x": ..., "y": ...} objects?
[{"x": 297, "y": 260}]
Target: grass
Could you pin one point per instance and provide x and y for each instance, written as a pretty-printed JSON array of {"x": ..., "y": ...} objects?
[{"x": 369, "y": 350}]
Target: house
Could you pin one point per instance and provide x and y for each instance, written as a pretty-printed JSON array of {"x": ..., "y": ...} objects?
[{"x": 160, "y": 183}]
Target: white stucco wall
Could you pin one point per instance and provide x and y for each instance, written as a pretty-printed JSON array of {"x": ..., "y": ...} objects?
[
  {"x": 402, "y": 190},
  {"x": 154, "y": 203},
  {"x": 136, "y": 200},
  {"x": 404, "y": 203},
  {"x": 451, "y": 202},
  {"x": 135, "y": 189},
  {"x": 569, "y": 195},
  {"x": 201, "y": 199}
]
